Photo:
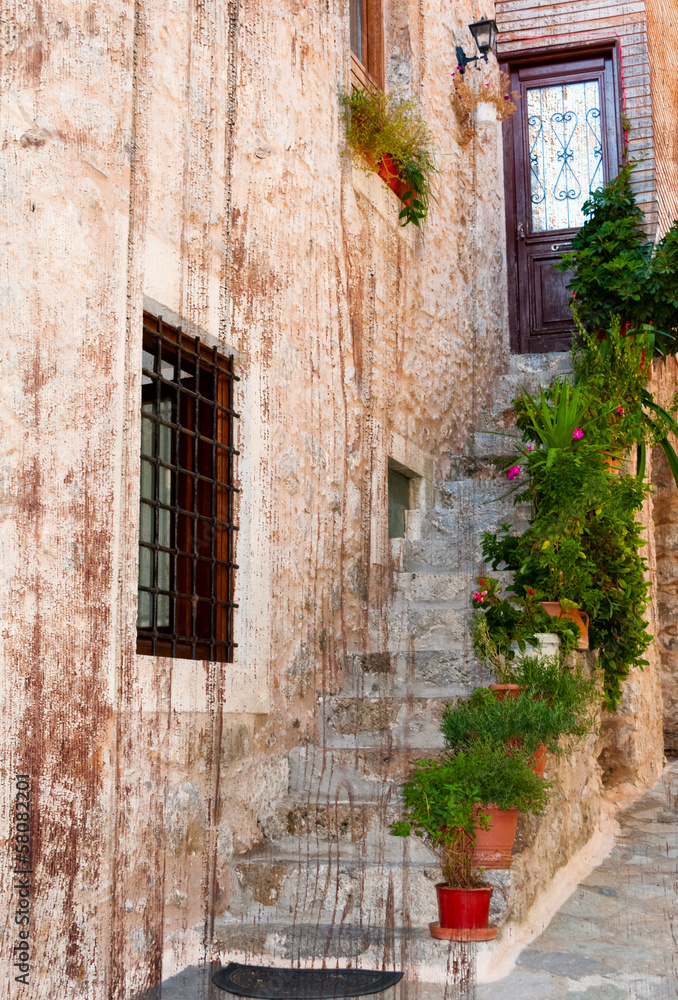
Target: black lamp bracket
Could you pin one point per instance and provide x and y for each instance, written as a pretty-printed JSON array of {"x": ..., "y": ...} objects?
[{"x": 463, "y": 60}]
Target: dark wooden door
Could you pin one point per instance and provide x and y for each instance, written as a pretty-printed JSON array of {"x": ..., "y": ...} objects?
[{"x": 561, "y": 144}]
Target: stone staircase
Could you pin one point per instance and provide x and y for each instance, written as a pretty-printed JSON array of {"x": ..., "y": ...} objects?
[{"x": 331, "y": 883}]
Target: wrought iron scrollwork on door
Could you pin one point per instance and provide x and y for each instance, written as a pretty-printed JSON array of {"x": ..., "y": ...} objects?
[
  {"x": 565, "y": 152},
  {"x": 562, "y": 191}
]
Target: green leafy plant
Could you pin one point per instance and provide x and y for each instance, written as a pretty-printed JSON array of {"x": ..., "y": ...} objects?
[
  {"x": 439, "y": 808},
  {"x": 615, "y": 369},
  {"x": 443, "y": 802},
  {"x": 501, "y": 779},
  {"x": 500, "y": 623},
  {"x": 531, "y": 720},
  {"x": 584, "y": 545},
  {"x": 555, "y": 417},
  {"x": 617, "y": 271},
  {"x": 376, "y": 124},
  {"x": 547, "y": 677}
]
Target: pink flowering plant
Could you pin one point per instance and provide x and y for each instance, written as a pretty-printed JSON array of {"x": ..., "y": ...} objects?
[
  {"x": 502, "y": 620},
  {"x": 555, "y": 420},
  {"x": 584, "y": 543}
]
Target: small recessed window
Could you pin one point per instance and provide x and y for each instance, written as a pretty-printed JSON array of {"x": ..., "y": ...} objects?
[
  {"x": 186, "y": 529},
  {"x": 398, "y": 502}
]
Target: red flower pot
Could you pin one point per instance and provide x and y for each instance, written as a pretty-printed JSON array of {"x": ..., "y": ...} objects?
[
  {"x": 492, "y": 848},
  {"x": 502, "y": 691},
  {"x": 463, "y": 907},
  {"x": 388, "y": 171}
]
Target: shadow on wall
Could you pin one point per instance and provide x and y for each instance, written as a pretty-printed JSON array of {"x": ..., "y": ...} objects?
[{"x": 192, "y": 983}]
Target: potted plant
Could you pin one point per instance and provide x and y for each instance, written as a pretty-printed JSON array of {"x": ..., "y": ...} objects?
[
  {"x": 504, "y": 626},
  {"x": 548, "y": 679},
  {"x": 570, "y": 609},
  {"x": 386, "y": 133},
  {"x": 552, "y": 711},
  {"x": 506, "y": 785},
  {"x": 441, "y": 809},
  {"x": 469, "y": 95},
  {"x": 525, "y": 721}
]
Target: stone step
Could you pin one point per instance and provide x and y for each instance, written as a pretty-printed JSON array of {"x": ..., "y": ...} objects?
[
  {"x": 420, "y": 674},
  {"x": 426, "y": 625},
  {"x": 473, "y": 496},
  {"x": 366, "y": 721},
  {"x": 528, "y": 370},
  {"x": 342, "y": 885},
  {"x": 437, "y": 673},
  {"x": 465, "y": 527},
  {"x": 451, "y": 589},
  {"x": 357, "y": 775},
  {"x": 499, "y": 444},
  {"x": 433, "y": 969},
  {"x": 440, "y": 555}
]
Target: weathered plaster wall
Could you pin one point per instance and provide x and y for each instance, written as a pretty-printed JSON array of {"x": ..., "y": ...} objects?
[
  {"x": 190, "y": 153},
  {"x": 66, "y": 118}
]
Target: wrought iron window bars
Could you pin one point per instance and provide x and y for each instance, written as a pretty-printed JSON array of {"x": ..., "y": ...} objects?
[{"x": 186, "y": 523}]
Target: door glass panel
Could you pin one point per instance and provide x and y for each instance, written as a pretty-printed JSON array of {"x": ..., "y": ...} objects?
[
  {"x": 355, "y": 10},
  {"x": 566, "y": 156}
]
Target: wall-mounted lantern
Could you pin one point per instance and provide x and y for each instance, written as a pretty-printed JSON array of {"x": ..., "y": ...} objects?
[{"x": 485, "y": 35}]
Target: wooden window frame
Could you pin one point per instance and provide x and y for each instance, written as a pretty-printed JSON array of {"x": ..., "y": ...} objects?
[
  {"x": 187, "y": 496},
  {"x": 509, "y": 63},
  {"x": 368, "y": 71}
]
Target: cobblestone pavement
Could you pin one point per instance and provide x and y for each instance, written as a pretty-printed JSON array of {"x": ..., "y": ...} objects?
[{"x": 616, "y": 937}]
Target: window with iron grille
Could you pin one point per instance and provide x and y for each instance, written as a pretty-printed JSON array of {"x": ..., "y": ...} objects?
[{"x": 186, "y": 529}]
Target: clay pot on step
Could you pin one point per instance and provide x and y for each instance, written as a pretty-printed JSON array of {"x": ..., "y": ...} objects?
[
  {"x": 575, "y": 615},
  {"x": 503, "y": 691},
  {"x": 538, "y": 760},
  {"x": 614, "y": 465},
  {"x": 492, "y": 848},
  {"x": 464, "y": 914}
]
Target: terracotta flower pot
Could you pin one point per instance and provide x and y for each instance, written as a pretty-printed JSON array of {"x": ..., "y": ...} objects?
[
  {"x": 388, "y": 171},
  {"x": 492, "y": 848},
  {"x": 538, "y": 760},
  {"x": 464, "y": 914},
  {"x": 503, "y": 691},
  {"x": 575, "y": 615}
]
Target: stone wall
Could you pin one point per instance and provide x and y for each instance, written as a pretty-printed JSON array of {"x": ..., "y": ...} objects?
[
  {"x": 665, "y": 516},
  {"x": 662, "y": 37}
]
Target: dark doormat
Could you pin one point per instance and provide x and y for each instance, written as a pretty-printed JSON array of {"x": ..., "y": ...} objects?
[{"x": 301, "y": 984}]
